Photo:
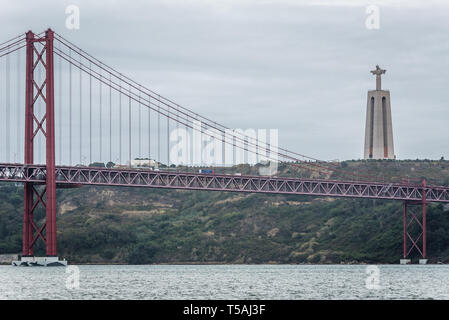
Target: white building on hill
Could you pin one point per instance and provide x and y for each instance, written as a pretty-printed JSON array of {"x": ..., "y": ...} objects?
[{"x": 143, "y": 163}]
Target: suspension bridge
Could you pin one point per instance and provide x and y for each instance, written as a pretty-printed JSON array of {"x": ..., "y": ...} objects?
[{"x": 77, "y": 111}]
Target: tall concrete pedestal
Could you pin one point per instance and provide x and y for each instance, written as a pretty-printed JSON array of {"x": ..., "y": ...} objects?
[{"x": 378, "y": 128}]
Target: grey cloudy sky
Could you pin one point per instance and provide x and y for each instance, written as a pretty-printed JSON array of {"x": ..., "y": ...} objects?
[{"x": 299, "y": 66}]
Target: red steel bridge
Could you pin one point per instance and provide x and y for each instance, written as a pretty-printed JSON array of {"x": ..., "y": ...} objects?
[{"x": 80, "y": 111}]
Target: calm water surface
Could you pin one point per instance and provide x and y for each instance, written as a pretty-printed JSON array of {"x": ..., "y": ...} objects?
[{"x": 226, "y": 282}]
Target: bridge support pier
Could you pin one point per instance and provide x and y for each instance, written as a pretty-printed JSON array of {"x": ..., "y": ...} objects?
[
  {"x": 39, "y": 55},
  {"x": 414, "y": 219}
]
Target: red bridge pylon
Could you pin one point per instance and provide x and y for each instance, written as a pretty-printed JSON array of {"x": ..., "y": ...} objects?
[
  {"x": 414, "y": 229},
  {"x": 39, "y": 52}
]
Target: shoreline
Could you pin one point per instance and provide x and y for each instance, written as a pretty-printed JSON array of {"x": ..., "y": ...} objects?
[{"x": 234, "y": 264}]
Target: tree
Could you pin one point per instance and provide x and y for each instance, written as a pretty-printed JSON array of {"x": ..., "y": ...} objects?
[
  {"x": 97, "y": 164},
  {"x": 142, "y": 254}
]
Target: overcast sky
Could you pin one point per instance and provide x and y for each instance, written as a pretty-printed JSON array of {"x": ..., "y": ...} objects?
[{"x": 299, "y": 66}]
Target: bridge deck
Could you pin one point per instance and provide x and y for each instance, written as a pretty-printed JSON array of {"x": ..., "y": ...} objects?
[{"x": 218, "y": 182}]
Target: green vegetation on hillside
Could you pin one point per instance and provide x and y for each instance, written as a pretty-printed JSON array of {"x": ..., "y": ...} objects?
[{"x": 138, "y": 225}]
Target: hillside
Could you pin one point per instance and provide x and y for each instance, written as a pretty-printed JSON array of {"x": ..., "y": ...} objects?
[{"x": 136, "y": 225}]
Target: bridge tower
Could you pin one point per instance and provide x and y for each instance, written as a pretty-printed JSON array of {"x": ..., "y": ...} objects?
[
  {"x": 378, "y": 128},
  {"x": 39, "y": 54},
  {"x": 414, "y": 219}
]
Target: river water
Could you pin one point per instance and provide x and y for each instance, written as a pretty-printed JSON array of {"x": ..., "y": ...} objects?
[{"x": 226, "y": 282}]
